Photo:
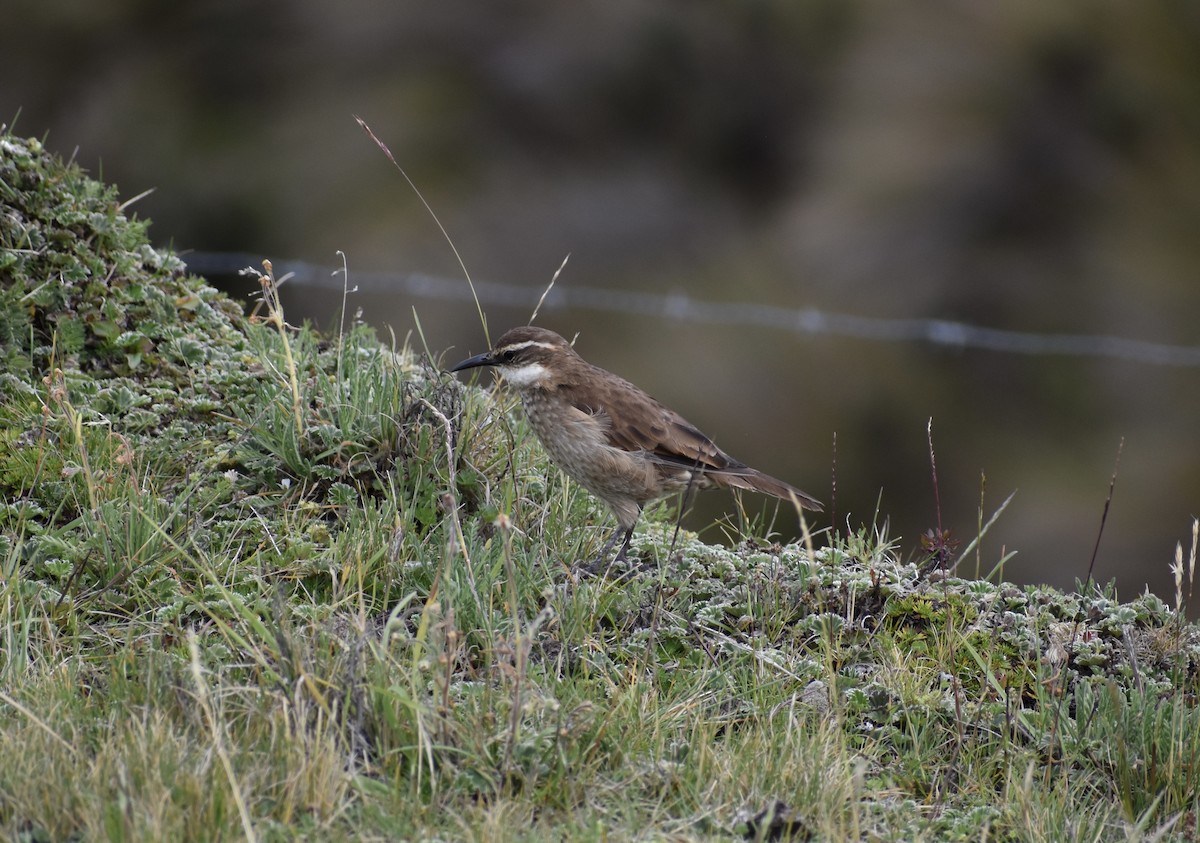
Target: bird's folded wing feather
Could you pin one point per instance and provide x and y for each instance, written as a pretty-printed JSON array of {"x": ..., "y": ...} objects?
[
  {"x": 646, "y": 425},
  {"x": 665, "y": 436}
]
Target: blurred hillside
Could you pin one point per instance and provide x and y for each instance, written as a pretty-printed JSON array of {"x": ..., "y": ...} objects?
[{"x": 1026, "y": 166}]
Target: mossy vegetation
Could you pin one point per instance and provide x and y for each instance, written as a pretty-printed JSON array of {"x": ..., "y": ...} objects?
[{"x": 258, "y": 582}]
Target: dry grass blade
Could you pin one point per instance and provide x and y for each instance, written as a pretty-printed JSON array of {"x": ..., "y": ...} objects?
[
  {"x": 438, "y": 222},
  {"x": 549, "y": 287}
]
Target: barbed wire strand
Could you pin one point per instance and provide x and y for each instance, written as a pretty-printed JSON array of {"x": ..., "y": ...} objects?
[{"x": 681, "y": 307}]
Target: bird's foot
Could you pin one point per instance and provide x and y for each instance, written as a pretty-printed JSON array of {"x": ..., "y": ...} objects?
[{"x": 602, "y": 563}]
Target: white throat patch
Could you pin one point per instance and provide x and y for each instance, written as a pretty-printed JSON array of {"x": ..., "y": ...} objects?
[{"x": 529, "y": 374}]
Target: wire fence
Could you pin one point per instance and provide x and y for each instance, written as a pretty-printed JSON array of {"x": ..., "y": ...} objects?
[{"x": 681, "y": 307}]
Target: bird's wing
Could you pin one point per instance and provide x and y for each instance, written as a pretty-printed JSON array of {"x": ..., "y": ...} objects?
[
  {"x": 644, "y": 425},
  {"x": 647, "y": 426}
]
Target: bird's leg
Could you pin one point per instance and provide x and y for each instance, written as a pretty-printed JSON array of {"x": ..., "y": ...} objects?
[
  {"x": 620, "y": 557},
  {"x": 626, "y": 536},
  {"x": 608, "y": 546}
]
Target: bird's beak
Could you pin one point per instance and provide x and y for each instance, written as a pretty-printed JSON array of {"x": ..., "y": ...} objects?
[{"x": 484, "y": 359}]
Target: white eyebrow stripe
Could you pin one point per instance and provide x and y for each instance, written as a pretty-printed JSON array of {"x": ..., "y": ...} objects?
[{"x": 527, "y": 344}]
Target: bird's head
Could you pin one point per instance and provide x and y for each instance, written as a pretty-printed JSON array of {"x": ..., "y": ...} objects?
[{"x": 527, "y": 357}]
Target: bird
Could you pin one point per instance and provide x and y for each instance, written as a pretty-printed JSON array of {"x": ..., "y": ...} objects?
[{"x": 610, "y": 436}]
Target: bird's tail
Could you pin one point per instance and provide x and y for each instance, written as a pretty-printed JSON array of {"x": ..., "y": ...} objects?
[{"x": 755, "y": 481}]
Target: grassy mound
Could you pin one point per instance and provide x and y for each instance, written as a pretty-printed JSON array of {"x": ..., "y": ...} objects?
[{"x": 259, "y": 582}]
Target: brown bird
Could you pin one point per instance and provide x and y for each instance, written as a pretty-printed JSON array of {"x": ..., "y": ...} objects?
[{"x": 611, "y": 437}]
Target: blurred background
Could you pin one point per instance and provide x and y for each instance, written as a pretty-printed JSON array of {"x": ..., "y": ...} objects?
[{"x": 1024, "y": 166}]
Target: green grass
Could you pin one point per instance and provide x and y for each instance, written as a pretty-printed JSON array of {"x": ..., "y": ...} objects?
[{"x": 261, "y": 583}]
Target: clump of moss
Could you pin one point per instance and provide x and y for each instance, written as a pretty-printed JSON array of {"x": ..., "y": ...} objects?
[
  {"x": 144, "y": 417},
  {"x": 105, "y": 342},
  {"x": 81, "y": 286}
]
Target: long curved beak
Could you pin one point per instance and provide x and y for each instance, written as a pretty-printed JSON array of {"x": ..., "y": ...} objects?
[{"x": 484, "y": 359}]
